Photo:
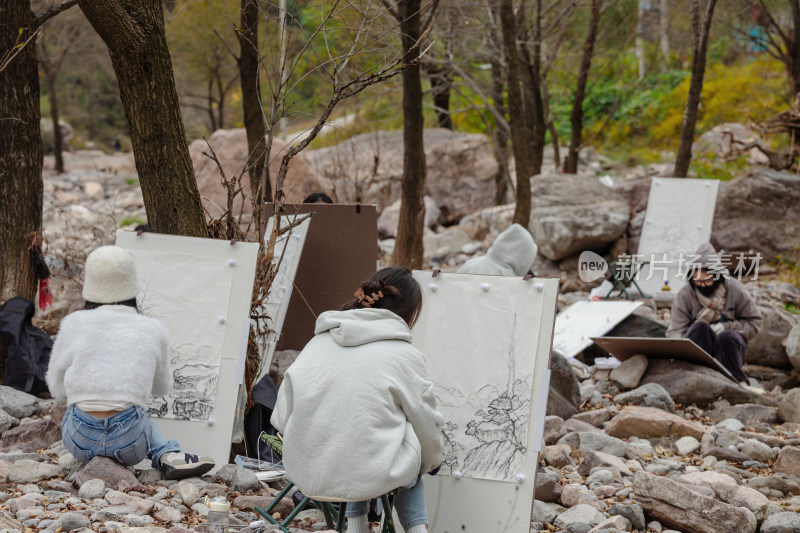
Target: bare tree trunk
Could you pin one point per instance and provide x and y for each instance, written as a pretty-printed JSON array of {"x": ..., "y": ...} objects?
[
  {"x": 133, "y": 31},
  {"x": 500, "y": 135},
  {"x": 663, "y": 22},
  {"x": 20, "y": 153},
  {"x": 58, "y": 139},
  {"x": 522, "y": 211},
  {"x": 441, "y": 79},
  {"x": 220, "y": 99},
  {"x": 532, "y": 87},
  {"x": 795, "y": 51},
  {"x": 576, "y": 117},
  {"x": 551, "y": 126},
  {"x": 251, "y": 103},
  {"x": 701, "y": 28},
  {"x": 408, "y": 249},
  {"x": 639, "y": 44},
  {"x": 212, "y": 118}
]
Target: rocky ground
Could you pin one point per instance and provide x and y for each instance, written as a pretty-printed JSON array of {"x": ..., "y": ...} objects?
[{"x": 649, "y": 446}]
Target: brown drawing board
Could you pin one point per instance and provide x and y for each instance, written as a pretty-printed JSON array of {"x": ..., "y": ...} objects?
[
  {"x": 340, "y": 252},
  {"x": 657, "y": 348}
]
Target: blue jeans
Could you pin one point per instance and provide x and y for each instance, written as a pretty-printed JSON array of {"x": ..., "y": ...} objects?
[
  {"x": 128, "y": 436},
  {"x": 409, "y": 503}
]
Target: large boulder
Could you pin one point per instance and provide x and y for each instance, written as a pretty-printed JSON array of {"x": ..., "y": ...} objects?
[
  {"x": 571, "y": 213},
  {"x": 789, "y": 406},
  {"x": 649, "y": 395},
  {"x": 768, "y": 348},
  {"x": 727, "y": 490},
  {"x": 676, "y": 505},
  {"x": 31, "y": 437},
  {"x": 718, "y": 142},
  {"x": 648, "y": 422},
  {"x": 792, "y": 345},
  {"x": 636, "y": 192},
  {"x": 231, "y": 149},
  {"x": 492, "y": 220},
  {"x": 565, "y": 394},
  {"x": 747, "y": 413},
  {"x": 758, "y": 211},
  {"x": 390, "y": 218},
  {"x": 461, "y": 170},
  {"x": 688, "y": 383}
]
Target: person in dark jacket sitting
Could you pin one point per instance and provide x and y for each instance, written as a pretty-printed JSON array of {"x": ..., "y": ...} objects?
[{"x": 716, "y": 312}]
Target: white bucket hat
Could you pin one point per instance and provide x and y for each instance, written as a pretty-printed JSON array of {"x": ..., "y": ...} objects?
[{"x": 110, "y": 276}]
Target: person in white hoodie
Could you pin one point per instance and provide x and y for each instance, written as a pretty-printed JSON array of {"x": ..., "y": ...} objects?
[
  {"x": 357, "y": 409},
  {"x": 511, "y": 254},
  {"x": 106, "y": 362}
]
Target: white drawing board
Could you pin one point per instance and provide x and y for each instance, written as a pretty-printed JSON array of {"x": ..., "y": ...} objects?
[
  {"x": 486, "y": 341},
  {"x": 200, "y": 289},
  {"x": 288, "y": 250},
  {"x": 582, "y": 320},
  {"x": 680, "y": 213}
]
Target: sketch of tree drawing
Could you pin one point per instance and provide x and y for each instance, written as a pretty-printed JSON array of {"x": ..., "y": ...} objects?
[
  {"x": 451, "y": 449},
  {"x": 501, "y": 427}
]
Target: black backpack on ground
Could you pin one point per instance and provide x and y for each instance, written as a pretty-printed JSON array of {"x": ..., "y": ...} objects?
[
  {"x": 26, "y": 347},
  {"x": 264, "y": 396}
]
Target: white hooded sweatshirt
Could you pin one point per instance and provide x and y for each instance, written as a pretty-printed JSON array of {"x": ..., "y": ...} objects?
[
  {"x": 511, "y": 254},
  {"x": 357, "y": 409}
]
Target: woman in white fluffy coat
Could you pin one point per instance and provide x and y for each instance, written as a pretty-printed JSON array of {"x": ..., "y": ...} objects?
[
  {"x": 357, "y": 409},
  {"x": 107, "y": 361}
]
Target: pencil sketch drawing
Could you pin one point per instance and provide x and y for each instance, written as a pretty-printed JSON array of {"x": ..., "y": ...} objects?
[{"x": 491, "y": 443}]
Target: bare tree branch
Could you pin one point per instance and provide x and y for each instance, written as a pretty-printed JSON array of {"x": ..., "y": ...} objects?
[{"x": 53, "y": 11}]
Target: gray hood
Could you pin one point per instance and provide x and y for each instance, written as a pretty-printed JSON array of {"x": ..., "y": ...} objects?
[
  {"x": 512, "y": 254},
  {"x": 362, "y": 326}
]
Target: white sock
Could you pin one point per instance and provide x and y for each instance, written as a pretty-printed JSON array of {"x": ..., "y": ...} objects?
[
  {"x": 419, "y": 528},
  {"x": 358, "y": 524}
]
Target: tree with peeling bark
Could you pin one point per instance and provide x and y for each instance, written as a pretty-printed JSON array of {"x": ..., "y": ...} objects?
[
  {"x": 133, "y": 31},
  {"x": 701, "y": 29},
  {"x": 531, "y": 66},
  {"x": 516, "y": 115},
  {"x": 21, "y": 186},
  {"x": 254, "y": 122},
  {"x": 576, "y": 116},
  {"x": 408, "y": 249},
  {"x": 21, "y": 157}
]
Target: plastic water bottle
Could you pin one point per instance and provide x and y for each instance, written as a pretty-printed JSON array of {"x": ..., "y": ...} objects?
[{"x": 218, "y": 514}]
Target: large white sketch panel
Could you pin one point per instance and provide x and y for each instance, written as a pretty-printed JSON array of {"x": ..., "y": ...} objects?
[
  {"x": 201, "y": 289},
  {"x": 484, "y": 349},
  {"x": 680, "y": 213},
  {"x": 288, "y": 250},
  {"x": 582, "y": 320}
]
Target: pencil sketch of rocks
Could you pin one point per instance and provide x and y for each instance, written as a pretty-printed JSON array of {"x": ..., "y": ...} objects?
[
  {"x": 191, "y": 409},
  {"x": 158, "y": 406},
  {"x": 194, "y": 385},
  {"x": 502, "y": 430}
]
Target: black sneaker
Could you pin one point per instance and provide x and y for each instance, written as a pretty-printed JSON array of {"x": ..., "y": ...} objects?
[{"x": 180, "y": 465}]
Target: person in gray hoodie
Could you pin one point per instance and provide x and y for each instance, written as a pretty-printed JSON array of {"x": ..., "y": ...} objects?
[
  {"x": 716, "y": 312},
  {"x": 511, "y": 254},
  {"x": 357, "y": 409}
]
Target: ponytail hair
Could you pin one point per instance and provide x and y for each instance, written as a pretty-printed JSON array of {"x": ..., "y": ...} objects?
[{"x": 393, "y": 289}]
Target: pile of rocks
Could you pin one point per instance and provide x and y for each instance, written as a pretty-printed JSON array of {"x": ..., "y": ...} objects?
[
  {"x": 44, "y": 488},
  {"x": 634, "y": 460}
]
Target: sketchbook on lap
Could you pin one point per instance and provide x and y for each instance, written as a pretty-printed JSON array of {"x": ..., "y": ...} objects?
[{"x": 660, "y": 348}]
